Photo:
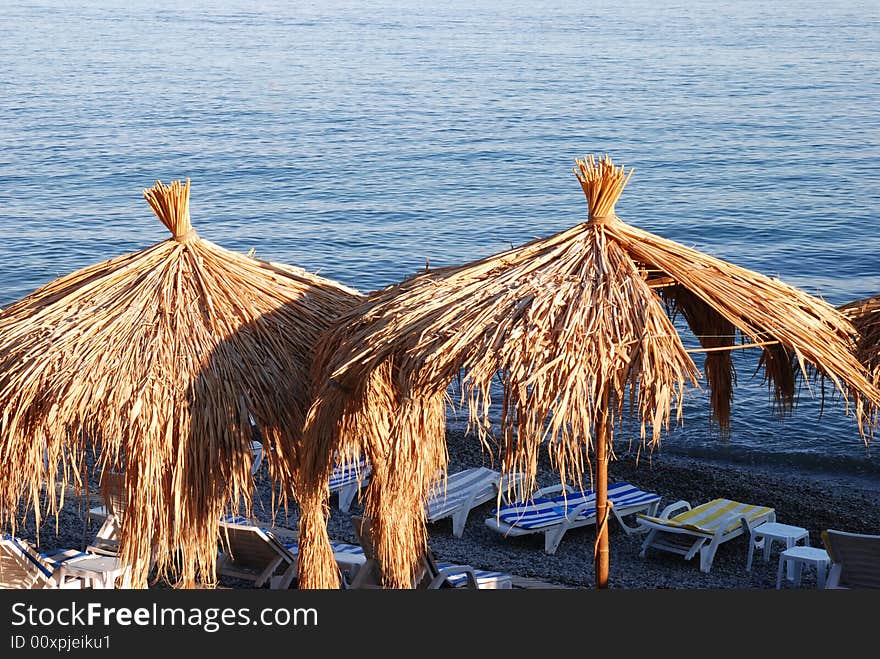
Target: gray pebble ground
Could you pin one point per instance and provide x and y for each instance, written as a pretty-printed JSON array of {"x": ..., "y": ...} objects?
[{"x": 803, "y": 499}]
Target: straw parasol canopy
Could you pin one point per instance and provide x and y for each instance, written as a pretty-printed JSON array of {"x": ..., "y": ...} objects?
[
  {"x": 577, "y": 330},
  {"x": 155, "y": 360},
  {"x": 865, "y": 316}
]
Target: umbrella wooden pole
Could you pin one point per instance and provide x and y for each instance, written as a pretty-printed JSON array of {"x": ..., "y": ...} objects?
[{"x": 601, "y": 552}]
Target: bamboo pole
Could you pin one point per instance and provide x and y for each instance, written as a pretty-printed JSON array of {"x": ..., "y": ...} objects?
[{"x": 601, "y": 553}]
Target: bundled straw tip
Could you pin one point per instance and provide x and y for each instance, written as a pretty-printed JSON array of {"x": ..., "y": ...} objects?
[{"x": 171, "y": 205}]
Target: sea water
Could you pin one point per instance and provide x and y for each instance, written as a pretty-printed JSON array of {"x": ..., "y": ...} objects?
[{"x": 366, "y": 140}]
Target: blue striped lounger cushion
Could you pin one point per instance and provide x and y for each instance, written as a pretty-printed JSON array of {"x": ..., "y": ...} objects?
[{"x": 548, "y": 511}]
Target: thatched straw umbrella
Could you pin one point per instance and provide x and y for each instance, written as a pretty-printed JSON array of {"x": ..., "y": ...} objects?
[
  {"x": 865, "y": 316},
  {"x": 155, "y": 360},
  {"x": 576, "y": 328}
]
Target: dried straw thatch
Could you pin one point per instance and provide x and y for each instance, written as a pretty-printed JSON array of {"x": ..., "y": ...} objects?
[
  {"x": 576, "y": 328},
  {"x": 154, "y": 360},
  {"x": 865, "y": 316}
]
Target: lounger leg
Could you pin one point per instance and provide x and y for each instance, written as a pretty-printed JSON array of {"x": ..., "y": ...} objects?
[
  {"x": 459, "y": 519},
  {"x": 707, "y": 555},
  {"x": 647, "y": 542},
  {"x": 552, "y": 538}
]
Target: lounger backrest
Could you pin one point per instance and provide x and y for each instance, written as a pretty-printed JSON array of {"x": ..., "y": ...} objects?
[
  {"x": 113, "y": 491},
  {"x": 452, "y": 491},
  {"x": 21, "y": 566},
  {"x": 708, "y": 518},
  {"x": 249, "y": 545},
  {"x": 624, "y": 495},
  {"x": 858, "y": 556}
]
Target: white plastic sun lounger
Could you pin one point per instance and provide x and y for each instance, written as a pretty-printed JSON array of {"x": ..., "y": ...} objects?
[
  {"x": 701, "y": 529},
  {"x": 464, "y": 491},
  {"x": 253, "y": 553},
  {"x": 22, "y": 566},
  {"x": 554, "y": 516}
]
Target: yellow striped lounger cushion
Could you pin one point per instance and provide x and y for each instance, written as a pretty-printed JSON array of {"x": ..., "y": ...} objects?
[{"x": 706, "y": 518}]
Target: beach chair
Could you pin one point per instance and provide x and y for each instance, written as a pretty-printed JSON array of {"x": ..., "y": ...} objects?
[
  {"x": 347, "y": 479},
  {"x": 432, "y": 575},
  {"x": 254, "y": 553},
  {"x": 22, "y": 566},
  {"x": 684, "y": 530},
  {"x": 555, "y": 515},
  {"x": 350, "y": 558},
  {"x": 106, "y": 540},
  {"x": 463, "y": 491},
  {"x": 855, "y": 559}
]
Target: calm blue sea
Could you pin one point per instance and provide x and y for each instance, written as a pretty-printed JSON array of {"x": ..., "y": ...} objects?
[{"x": 363, "y": 139}]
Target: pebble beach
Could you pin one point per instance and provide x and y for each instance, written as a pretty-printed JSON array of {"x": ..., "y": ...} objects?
[{"x": 814, "y": 501}]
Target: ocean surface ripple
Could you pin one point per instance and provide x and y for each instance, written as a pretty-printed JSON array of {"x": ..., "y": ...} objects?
[{"x": 364, "y": 140}]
